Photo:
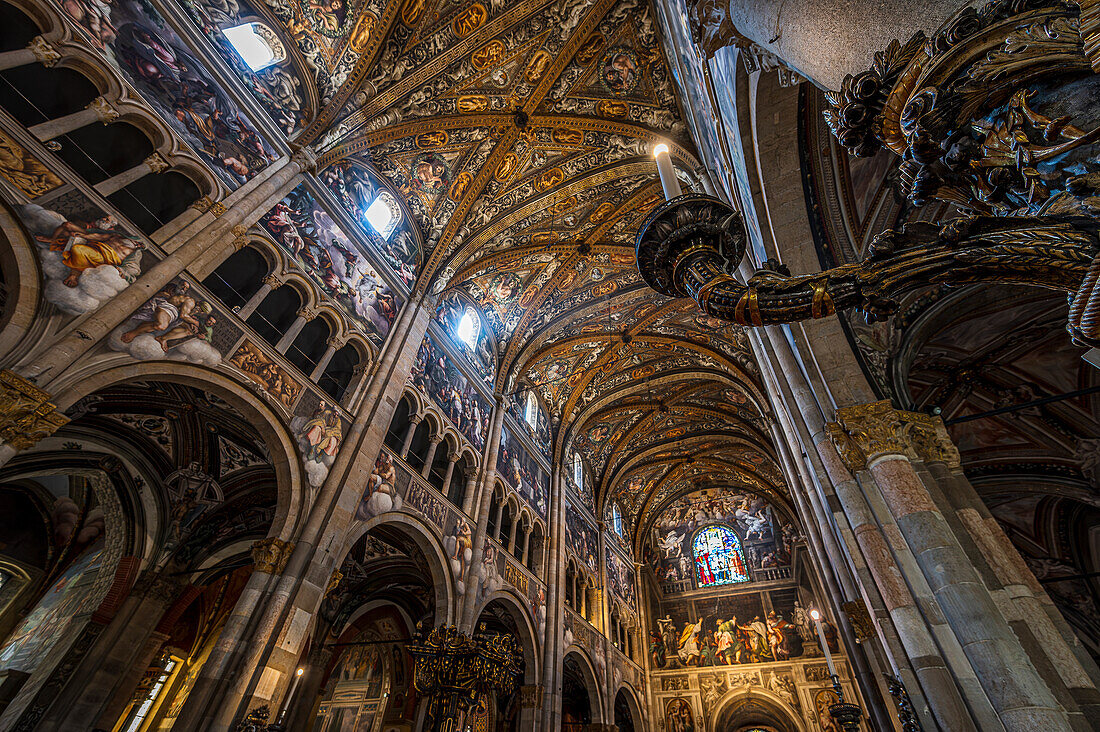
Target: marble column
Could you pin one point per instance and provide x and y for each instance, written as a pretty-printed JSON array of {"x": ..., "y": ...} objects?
[
  {"x": 99, "y": 110},
  {"x": 271, "y": 282},
  {"x": 39, "y": 49},
  {"x": 155, "y": 163},
  {"x": 433, "y": 445},
  {"x": 409, "y": 434},
  {"x": 1020, "y": 697},
  {"x": 471, "y": 489},
  {"x": 303, "y": 316},
  {"x": 553, "y": 642},
  {"x": 332, "y": 345},
  {"x": 487, "y": 486}
]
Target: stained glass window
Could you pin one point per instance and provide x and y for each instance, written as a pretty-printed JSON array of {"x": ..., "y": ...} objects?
[{"x": 718, "y": 557}]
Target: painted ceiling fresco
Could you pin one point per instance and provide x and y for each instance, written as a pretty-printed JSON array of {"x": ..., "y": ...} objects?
[{"x": 516, "y": 140}]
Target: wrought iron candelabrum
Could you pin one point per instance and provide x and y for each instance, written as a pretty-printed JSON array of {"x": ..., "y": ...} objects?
[
  {"x": 454, "y": 671},
  {"x": 845, "y": 714}
]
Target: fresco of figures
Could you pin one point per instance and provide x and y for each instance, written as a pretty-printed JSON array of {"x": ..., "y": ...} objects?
[
  {"x": 319, "y": 429},
  {"x": 356, "y": 189},
  {"x": 277, "y": 88},
  {"x": 179, "y": 324},
  {"x": 522, "y": 472},
  {"x": 678, "y": 716},
  {"x": 451, "y": 309},
  {"x": 339, "y": 267},
  {"x": 620, "y": 577},
  {"x": 439, "y": 377},
  {"x": 749, "y": 515},
  {"x": 580, "y": 537},
  {"x": 134, "y": 37},
  {"x": 87, "y": 257},
  {"x": 735, "y": 630}
]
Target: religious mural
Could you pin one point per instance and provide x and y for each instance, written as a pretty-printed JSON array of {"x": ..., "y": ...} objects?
[
  {"x": 260, "y": 368},
  {"x": 678, "y": 716},
  {"x": 46, "y": 623},
  {"x": 339, "y": 267},
  {"x": 178, "y": 324},
  {"x": 356, "y": 188},
  {"x": 436, "y": 375},
  {"x": 23, "y": 170},
  {"x": 452, "y": 309},
  {"x": 756, "y": 530},
  {"x": 735, "y": 629},
  {"x": 522, "y": 472},
  {"x": 385, "y": 488},
  {"x": 319, "y": 429},
  {"x": 580, "y": 537},
  {"x": 515, "y": 406},
  {"x": 87, "y": 257},
  {"x": 134, "y": 37},
  {"x": 620, "y": 578}
]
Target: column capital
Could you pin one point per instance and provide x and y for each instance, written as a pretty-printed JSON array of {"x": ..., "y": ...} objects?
[
  {"x": 157, "y": 163},
  {"x": 26, "y": 413},
  {"x": 930, "y": 440},
  {"x": 875, "y": 428},
  {"x": 270, "y": 555},
  {"x": 306, "y": 314},
  {"x": 240, "y": 236},
  {"x": 336, "y": 342},
  {"x": 104, "y": 110},
  {"x": 435, "y": 439},
  {"x": 274, "y": 281},
  {"x": 306, "y": 158},
  {"x": 202, "y": 204},
  {"x": 44, "y": 52}
]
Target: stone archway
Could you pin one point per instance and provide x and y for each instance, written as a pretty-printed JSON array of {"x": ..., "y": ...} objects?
[
  {"x": 582, "y": 704},
  {"x": 627, "y": 712},
  {"x": 751, "y": 708}
]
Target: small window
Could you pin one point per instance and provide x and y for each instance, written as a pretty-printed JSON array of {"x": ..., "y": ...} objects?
[
  {"x": 383, "y": 215},
  {"x": 469, "y": 328},
  {"x": 256, "y": 44},
  {"x": 617, "y": 519},
  {"x": 718, "y": 557},
  {"x": 578, "y": 471},
  {"x": 531, "y": 411}
]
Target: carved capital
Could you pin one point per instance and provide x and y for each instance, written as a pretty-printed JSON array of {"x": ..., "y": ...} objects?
[
  {"x": 850, "y": 454},
  {"x": 44, "y": 52},
  {"x": 104, "y": 110},
  {"x": 929, "y": 439},
  {"x": 336, "y": 342},
  {"x": 875, "y": 428},
  {"x": 157, "y": 163},
  {"x": 240, "y": 238},
  {"x": 270, "y": 555},
  {"x": 306, "y": 159},
  {"x": 860, "y": 620},
  {"x": 26, "y": 413},
  {"x": 333, "y": 582},
  {"x": 202, "y": 204},
  {"x": 530, "y": 697},
  {"x": 306, "y": 314},
  {"x": 274, "y": 281},
  {"x": 217, "y": 208}
]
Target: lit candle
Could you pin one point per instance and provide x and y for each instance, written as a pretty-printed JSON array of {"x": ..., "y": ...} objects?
[
  {"x": 824, "y": 643},
  {"x": 290, "y": 695},
  {"x": 668, "y": 173}
]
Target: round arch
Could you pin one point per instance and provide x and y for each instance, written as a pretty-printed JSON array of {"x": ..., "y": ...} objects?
[
  {"x": 749, "y": 706},
  {"x": 271, "y": 428},
  {"x": 431, "y": 547},
  {"x": 528, "y": 637},
  {"x": 629, "y": 699},
  {"x": 588, "y": 677},
  {"x": 17, "y": 255}
]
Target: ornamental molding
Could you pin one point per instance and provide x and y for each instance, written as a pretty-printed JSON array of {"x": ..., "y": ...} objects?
[
  {"x": 271, "y": 555},
  {"x": 26, "y": 413}
]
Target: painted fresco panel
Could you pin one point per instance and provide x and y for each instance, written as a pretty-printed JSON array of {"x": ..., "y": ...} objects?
[
  {"x": 580, "y": 537},
  {"x": 481, "y": 356},
  {"x": 620, "y": 577},
  {"x": 540, "y": 432},
  {"x": 437, "y": 375},
  {"x": 135, "y": 38},
  {"x": 311, "y": 238},
  {"x": 522, "y": 472}
]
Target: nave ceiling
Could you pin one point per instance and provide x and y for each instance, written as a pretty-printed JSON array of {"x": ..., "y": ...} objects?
[{"x": 518, "y": 138}]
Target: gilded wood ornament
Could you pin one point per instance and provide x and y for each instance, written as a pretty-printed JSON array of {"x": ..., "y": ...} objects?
[{"x": 26, "y": 413}]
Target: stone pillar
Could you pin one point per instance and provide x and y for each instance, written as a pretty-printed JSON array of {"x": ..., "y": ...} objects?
[
  {"x": 449, "y": 473},
  {"x": 270, "y": 283},
  {"x": 822, "y": 43},
  {"x": 526, "y": 545},
  {"x": 553, "y": 642},
  {"x": 39, "y": 49},
  {"x": 500, "y": 512},
  {"x": 471, "y": 488},
  {"x": 413, "y": 422},
  {"x": 98, "y": 110},
  {"x": 530, "y": 703},
  {"x": 433, "y": 445},
  {"x": 488, "y": 481},
  {"x": 1017, "y": 692},
  {"x": 511, "y": 543},
  {"x": 304, "y": 316},
  {"x": 155, "y": 163},
  {"x": 319, "y": 370}
]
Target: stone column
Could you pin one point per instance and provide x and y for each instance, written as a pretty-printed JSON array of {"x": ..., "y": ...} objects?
[
  {"x": 271, "y": 282},
  {"x": 488, "y": 481},
  {"x": 319, "y": 370},
  {"x": 471, "y": 488},
  {"x": 449, "y": 473},
  {"x": 1017, "y": 692},
  {"x": 553, "y": 645},
  {"x": 530, "y": 703},
  {"x": 39, "y": 49},
  {"x": 500, "y": 512},
  {"x": 511, "y": 545},
  {"x": 99, "y": 109},
  {"x": 526, "y": 545},
  {"x": 433, "y": 445},
  {"x": 304, "y": 316},
  {"x": 155, "y": 163},
  {"x": 413, "y": 422},
  {"x": 822, "y": 43}
]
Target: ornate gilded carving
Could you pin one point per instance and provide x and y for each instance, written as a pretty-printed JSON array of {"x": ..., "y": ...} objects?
[
  {"x": 157, "y": 163},
  {"x": 240, "y": 236},
  {"x": 860, "y": 620},
  {"x": 26, "y": 413},
  {"x": 874, "y": 427},
  {"x": 850, "y": 454},
  {"x": 202, "y": 204},
  {"x": 270, "y": 555},
  {"x": 333, "y": 582},
  {"x": 104, "y": 110},
  {"x": 929, "y": 439},
  {"x": 43, "y": 52},
  {"x": 217, "y": 208}
]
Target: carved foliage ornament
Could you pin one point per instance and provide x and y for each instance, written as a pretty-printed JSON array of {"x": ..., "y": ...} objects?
[
  {"x": 870, "y": 430},
  {"x": 271, "y": 555},
  {"x": 26, "y": 414}
]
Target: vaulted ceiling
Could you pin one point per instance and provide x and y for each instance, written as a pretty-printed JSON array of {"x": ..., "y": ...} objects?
[{"x": 519, "y": 137}]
